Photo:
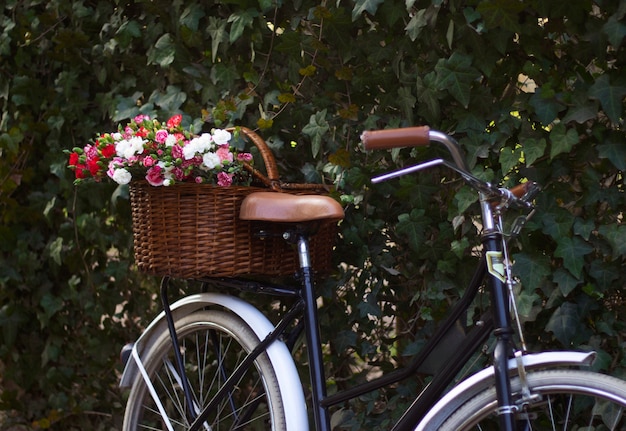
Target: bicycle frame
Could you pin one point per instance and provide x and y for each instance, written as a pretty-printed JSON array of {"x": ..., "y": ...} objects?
[
  {"x": 305, "y": 306},
  {"x": 492, "y": 270}
]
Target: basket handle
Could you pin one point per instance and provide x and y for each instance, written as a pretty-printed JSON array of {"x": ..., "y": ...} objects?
[{"x": 272, "y": 180}]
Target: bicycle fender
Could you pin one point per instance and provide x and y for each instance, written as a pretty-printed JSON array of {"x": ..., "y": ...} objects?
[
  {"x": 278, "y": 353},
  {"x": 484, "y": 379}
]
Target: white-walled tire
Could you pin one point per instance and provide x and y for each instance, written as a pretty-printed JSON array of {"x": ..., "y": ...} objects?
[
  {"x": 562, "y": 399},
  {"x": 213, "y": 342}
]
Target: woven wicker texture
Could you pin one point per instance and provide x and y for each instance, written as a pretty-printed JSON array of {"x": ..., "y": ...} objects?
[{"x": 193, "y": 230}]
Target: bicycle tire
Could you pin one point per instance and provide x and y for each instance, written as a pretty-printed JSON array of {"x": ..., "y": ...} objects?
[
  {"x": 256, "y": 401},
  {"x": 564, "y": 399}
]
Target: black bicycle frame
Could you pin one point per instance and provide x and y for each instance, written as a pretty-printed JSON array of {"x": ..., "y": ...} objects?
[{"x": 497, "y": 321}]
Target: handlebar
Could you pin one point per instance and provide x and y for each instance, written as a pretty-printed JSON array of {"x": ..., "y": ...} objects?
[{"x": 519, "y": 196}]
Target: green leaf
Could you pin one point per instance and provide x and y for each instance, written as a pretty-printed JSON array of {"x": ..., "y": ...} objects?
[
  {"x": 615, "y": 151},
  {"x": 412, "y": 227},
  {"x": 171, "y": 100},
  {"x": 573, "y": 251},
  {"x": 217, "y": 31},
  {"x": 562, "y": 140},
  {"x": 369, "y": 6},
  {"x": 55, "y": 248},
  {"x": 416, "y": 24},
  {"x": 316, "y": 129},
  {"x": 192, "y": 15},
  {"x": 546, "y": 107},
  {"x": 615, "y": 30},
  {"x": 533, "y": 149},
  {"x": 565, "y": 281},
  {"x": 557, "y": 224},
  {"x": 564, "y": 323},
  {"x": 406, "y": 101},
  {"x": 163, "y": 51},
  {"x": 456, "y": 75},
  {"x": 501, "y": 13},
  {"x": 509, "y": 158},
  {"x": 532, "y": 270},
  {"x": 239, "y": 21},
  {"x": 610, "y": 97},
  {"x": 616, "y": 236}
]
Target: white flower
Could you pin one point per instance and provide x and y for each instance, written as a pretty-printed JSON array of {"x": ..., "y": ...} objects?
[
  {"x": 221, "y": 136},
  {"x": 211, "y": 160},
  {"x": 200, "y": 144},
  {"x": 170, "y": 141},
  {"x": 127, "y": 148},
  {"x": 121, "y": 176}
]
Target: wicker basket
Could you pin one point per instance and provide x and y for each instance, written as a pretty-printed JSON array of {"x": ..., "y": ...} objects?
[{"x": 192, "y": 230}]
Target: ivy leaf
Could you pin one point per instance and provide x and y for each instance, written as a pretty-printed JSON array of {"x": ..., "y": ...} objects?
[
  {"x": 501, "y": 13},
  {"x": 558, "y": 224},
  {"x": 416, "y": 24},
  {"x": 573, "y": 251},
  {"x": 191, "y": 16},
  {"x": 163, "y": 51},
  {"x": 531, "y": 270},
  {"x": 369, "y": 6},
  {"x": 616, "y": 236},
  {"x": 406, "y": 101},
  {"x": 316, "y": 129},
  {"x": 546, "y": 107},
  {"x": 615, "y": 30},
  {"x": 239, "y": 21},
  {"x": 412, "y": 226},
  {"x": 456, "y": 75},
  {"x": 562, "y": 140},
  {"x": 564, "y": 323},
  {"x": 171, "y": 100},
  {"x": 610, "y": 97},
  {"x": 509, "y": 158},
  {"x": 217, "y": 31},
  {"x": 565, "y": 281},
  {"x": 533, "y": 149},
  {"x": 615, "y": 151}
]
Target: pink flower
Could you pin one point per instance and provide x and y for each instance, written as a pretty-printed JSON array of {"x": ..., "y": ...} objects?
[
  {"x": 199, "y": 180},
  {"x": 177, "y": 152},
  {"x": 244, "y": 157},
  {"x": 161, "y": 136},
  {"x": 140, "y": 118},
  {"x": 148, "y": 161},
  {"x": 224, "y": 179},
  {"x": 224, "y": 153},
  {"x": 179, "y": 174},
  {"x": 155, "y": 176}
]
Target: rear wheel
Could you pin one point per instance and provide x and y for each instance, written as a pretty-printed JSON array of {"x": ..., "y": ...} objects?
[
  {"x": 213, "y": 343},
  {"x": 564, "y": 400}
]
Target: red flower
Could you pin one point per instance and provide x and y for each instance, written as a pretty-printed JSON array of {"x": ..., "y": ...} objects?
[
  {"x": 174, "y": 121},
  {"x": 108, "y": 151},
  {"x": 92, "y": 164},
  {"x": 80, "y": 172},
  {"x": 74, "y": 157},
  {"x": 142, "y": 132}
]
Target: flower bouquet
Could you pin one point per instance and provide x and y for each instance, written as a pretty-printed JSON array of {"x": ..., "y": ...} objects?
[
  {"x": 162, "y": 154},
  {"x": 185, "y": 195}
]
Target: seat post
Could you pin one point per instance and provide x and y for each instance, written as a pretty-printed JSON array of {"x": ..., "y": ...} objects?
[{"x": 316, "y": 362}]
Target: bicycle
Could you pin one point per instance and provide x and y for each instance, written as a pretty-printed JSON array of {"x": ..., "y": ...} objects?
[{"x": 212, "y": 361}]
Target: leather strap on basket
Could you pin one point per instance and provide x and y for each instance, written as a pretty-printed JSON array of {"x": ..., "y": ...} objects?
[{"x": 272, "y": 180}]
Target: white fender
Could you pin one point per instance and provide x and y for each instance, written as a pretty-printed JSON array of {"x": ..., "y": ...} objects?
[
  {"x": 484, "y": 378},
  {"x": 278, "y": 353}
]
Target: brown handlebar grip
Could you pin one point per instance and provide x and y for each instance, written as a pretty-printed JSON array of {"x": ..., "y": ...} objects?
[
  {"x": 395, "y": 138},
  {"x": 521, "y": 189}
]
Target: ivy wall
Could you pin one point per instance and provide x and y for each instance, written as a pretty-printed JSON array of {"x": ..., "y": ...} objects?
[{"x": 532, "y": 90}]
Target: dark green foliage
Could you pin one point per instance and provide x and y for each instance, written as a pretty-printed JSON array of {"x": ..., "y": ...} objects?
[{"x": 532, "y": 90}]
